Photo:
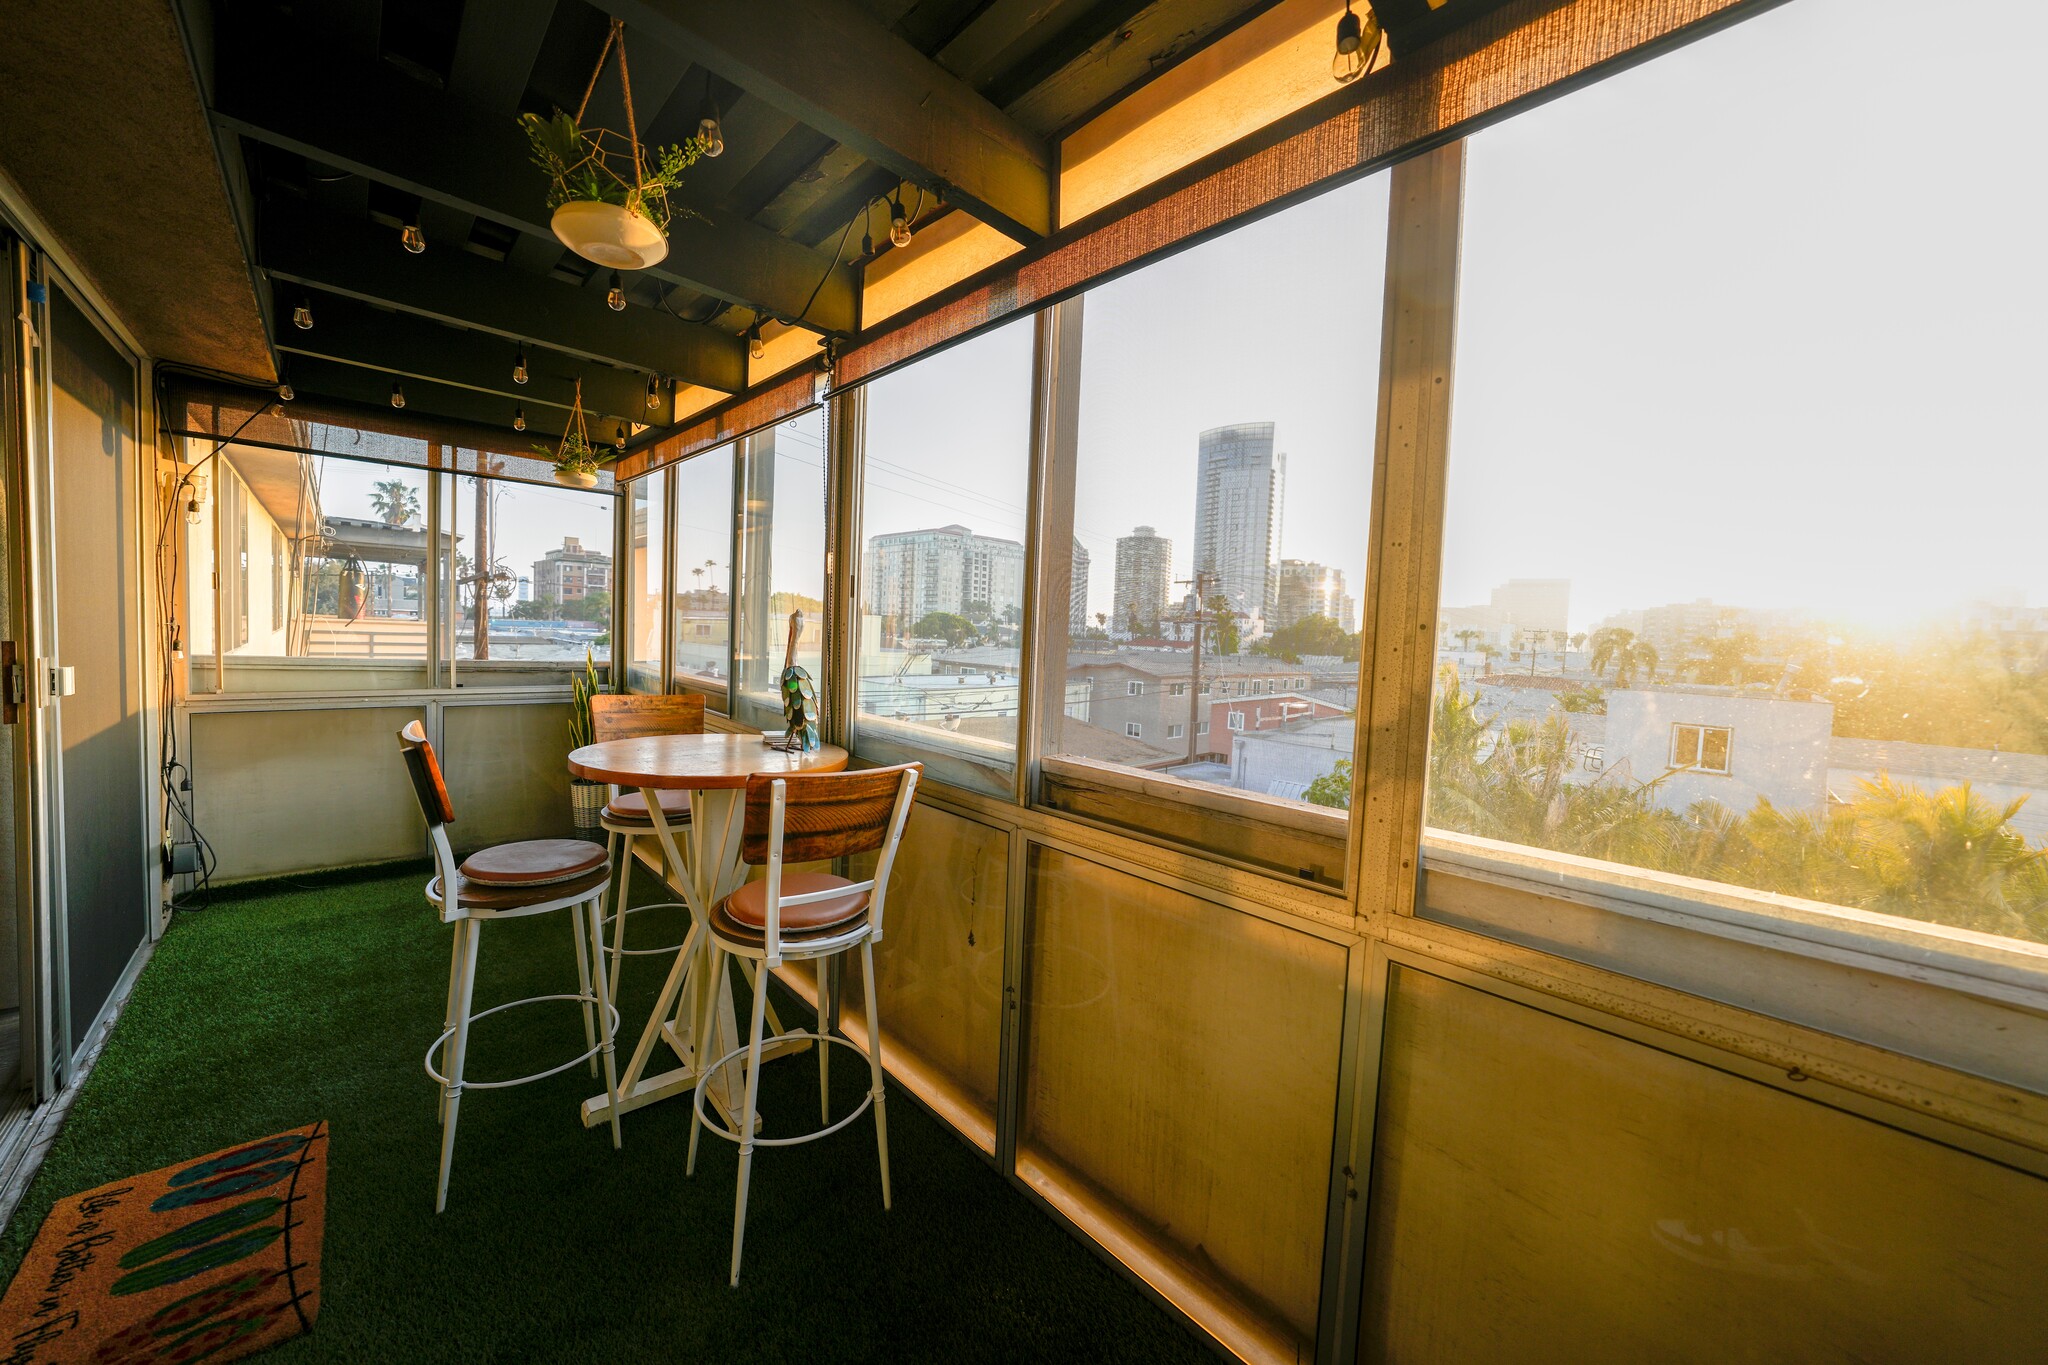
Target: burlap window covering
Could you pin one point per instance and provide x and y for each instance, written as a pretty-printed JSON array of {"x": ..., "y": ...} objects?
[
  {"x": 757, "y": 411},
  {"x": 210, "y": 411}
]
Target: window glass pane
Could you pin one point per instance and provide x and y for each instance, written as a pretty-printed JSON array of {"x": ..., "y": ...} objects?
[
  {"x": 1224, "y": 471},
  {"x": 1747, "y": 403},
  {"x": 947, "y": 449},
  {"x": 319, "y": 561},
  {"x": 533, "y": 574},
  {"x": 703, "y": 615},
  {"x": 782, "y": 561},
  {"x": 646, "y": 503}
]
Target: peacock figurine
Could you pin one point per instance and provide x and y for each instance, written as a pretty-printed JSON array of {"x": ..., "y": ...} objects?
[{"x": 799, "y": 697}]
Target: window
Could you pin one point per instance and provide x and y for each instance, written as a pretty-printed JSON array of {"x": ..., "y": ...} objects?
[
  {"x": 703, "y": 586},
  {"x": 1700, "y": 748},
  {"x": 1176, "y": 731},
  {"x": 645, "y": 506},
  {"x": 1236, "y": 720},
  {"x": 559, "y": 542},
  {"x": 781, "y": 562},
  {"x": 1859, "y": 590},
  {"x": 348, "y": 543},
  {"x": 1178, "y": 690},
  {"x": 1134, "y": 730},
  {"x": 946, "y": 454},
  {"x": 1202, "y": 727},
  {"x": 1226, "y": 464},
  {"x": 1134, "y": 689}
]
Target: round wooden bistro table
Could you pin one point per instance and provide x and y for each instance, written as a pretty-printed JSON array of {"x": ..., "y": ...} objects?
[{"x": 714, "y": 769}]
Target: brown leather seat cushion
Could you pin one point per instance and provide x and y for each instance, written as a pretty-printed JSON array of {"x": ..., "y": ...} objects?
[
  {"x": 630, "y": 807},
  {"x": 744, "y": 914},
  {"x": 473, "y": 895},
  {"x": 533, "y": 862}
]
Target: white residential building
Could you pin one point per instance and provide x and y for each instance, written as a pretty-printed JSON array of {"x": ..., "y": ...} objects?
[{"x": 1240, "y": 486}]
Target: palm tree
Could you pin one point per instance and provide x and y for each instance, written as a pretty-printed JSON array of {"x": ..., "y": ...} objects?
[
  {"x": 395, "y": 501},
  {"x": 1620, "y": 647},
  {"x": 1466, "y": 637}
]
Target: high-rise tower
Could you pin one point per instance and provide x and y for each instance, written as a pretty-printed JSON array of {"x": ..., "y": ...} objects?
[
  {"x": 1239, "y": 487},
  {"x": 1144, "y": 573}
]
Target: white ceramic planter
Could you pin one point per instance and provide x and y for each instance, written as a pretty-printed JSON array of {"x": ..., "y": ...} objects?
[
  {"x": 575, "y": 478},
  {"x": 609, "y": 234}
]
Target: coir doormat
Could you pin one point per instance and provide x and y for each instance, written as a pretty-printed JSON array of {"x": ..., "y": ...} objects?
[{"x": 209, "y": 1259}]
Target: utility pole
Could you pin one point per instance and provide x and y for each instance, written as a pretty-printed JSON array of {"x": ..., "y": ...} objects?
[
  {"x": 1201, "y": 582},
  {"x": 480, "y": 567}
]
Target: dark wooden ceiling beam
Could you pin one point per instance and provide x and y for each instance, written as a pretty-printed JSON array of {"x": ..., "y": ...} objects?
[
  {"x": 454, "y": 286},
  {"x": 380, "y": 125},
  {"x": 403, "y": 344},
  {"x": 836, "y": 68}
]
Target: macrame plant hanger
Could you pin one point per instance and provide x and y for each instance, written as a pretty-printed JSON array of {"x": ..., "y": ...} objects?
[{"x": 594, "y": 138}]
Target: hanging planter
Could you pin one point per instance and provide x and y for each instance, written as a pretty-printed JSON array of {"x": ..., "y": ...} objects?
[
  {"x": 610, "y": 197},
  {"x": 575, "y": 459}
]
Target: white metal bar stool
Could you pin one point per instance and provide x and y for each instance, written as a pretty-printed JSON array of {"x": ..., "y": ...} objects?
[
  {"x": 809, "y": 817},
  {"x": 616, "y": 715},
  {"x": 508, "y": 881}
]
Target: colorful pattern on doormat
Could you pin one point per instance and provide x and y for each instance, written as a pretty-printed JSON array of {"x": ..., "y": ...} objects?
[{"x": 210, "y": 1259}]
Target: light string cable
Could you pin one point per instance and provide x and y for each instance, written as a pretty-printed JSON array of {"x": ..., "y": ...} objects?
[{"x": 174, "y": 776}]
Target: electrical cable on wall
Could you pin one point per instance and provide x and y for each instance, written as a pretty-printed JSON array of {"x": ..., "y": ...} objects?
[{"x": 174, "y": 776}]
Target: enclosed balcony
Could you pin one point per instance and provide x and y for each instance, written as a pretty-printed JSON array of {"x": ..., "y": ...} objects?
[{"x": 1055, "y": 679}]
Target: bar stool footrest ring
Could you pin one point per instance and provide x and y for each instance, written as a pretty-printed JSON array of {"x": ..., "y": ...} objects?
[
  {"x": 441, "y": 1042},
  {"x": 670, "y": 951},
  {"x": 729, "y": 1135}
]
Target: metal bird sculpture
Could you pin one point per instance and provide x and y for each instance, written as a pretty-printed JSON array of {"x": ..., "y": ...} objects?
[{"x": 799, "y": 697}]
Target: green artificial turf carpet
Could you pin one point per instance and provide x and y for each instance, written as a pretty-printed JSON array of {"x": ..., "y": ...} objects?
[{"x": 295, "y": 1003}]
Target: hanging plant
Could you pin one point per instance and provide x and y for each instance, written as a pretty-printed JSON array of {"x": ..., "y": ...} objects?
[
  {"x": 575, "y": 459},
  {"x": 611, "y": 198}
]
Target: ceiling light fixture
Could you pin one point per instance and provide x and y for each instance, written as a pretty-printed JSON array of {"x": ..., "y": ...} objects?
[
  {"x": 397, "y": 394},
  {"x": 619, "y": 441},
  {"x": 411, "y": 238},
  {"x": 899, "y": 221},
  {"x": 286, "y": 392},
  {"x": 754, "y": 346},
  {"x": 1358, "y": 44},
  {"x": 302, "y": 316},
  {"x": 615, "y": 297},
  {"x": 519, "y": 367},
  {"x": 653, "y": 391},
  {"x": 710, "y": 129},
  {"x": 519, "y": 419}
]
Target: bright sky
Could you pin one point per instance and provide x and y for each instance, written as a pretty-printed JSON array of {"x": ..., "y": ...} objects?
[{"x": 1764, "y": 320}]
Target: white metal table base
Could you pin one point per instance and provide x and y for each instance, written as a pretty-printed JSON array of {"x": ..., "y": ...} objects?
[{"x": 711, "y": 871}]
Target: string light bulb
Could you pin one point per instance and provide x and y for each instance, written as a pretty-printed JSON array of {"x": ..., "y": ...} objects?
[
  {"x": 397, "y": 394},
  {"x": 619, "y": 441},
  {"x": 519, "y": 419},
  {"x": 899, "y": 223},
  {"x": 711, "y": 130},
  {"x": 653, "y": 391},
  {"x": 302, "y": 316},
  {"x": 615, "y": 297},
  {"x": 411, "y": 238},
  {"x": 286, "y": 392},
  {"x": 519, "y": 367},
  {"x": 1356, "y": 45},
  {"x": 754, "y": 346}
]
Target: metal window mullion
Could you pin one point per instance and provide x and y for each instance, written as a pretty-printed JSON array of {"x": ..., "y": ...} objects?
[
  {"x": 1398, "y": 655},
  {"x": 1055, "y": 438},
  {"x": 671, "y": 564},
  {"x": 846, "y": 466}
]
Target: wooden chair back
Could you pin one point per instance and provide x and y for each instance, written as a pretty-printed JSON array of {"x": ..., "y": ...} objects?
[
  {"x": 427, "y": 782},
  {"x": 626, "y": 715},
  {"x": 825, "y": 815}
]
